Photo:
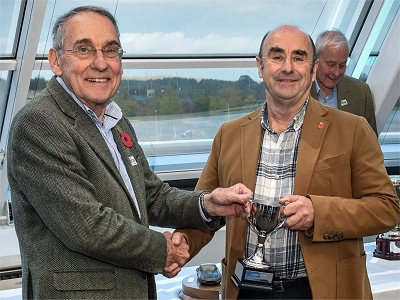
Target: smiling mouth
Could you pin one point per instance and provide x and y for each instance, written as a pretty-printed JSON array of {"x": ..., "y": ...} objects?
[
  {"x": 97, "y": 80},
  {"x": 287, "y": 80}
]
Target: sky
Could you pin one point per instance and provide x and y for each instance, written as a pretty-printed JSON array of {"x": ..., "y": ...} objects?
[{"x": 154, "y": 27}]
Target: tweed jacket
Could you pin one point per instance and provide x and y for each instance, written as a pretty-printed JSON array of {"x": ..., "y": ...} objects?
[
  {"x": 79, "y": 233},
  {"x": 354, "y": 96},
  {"x": 340, "y": 166}
]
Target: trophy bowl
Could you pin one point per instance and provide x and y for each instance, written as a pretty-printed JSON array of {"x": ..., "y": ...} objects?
[
  {"x": 254, "y": 272},
  {"x": 264, "y": 219},
  {"x": 388, "y": 244}
]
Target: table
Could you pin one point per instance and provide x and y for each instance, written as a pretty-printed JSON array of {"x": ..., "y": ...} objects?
[{"x": 383, "y": 274}]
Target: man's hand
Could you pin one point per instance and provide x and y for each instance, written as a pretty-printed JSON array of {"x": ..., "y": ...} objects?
[
  {"x": 299, "y": 212},
  {"x": 178, "y": 254},
  {"x": 228, "y": 201}
]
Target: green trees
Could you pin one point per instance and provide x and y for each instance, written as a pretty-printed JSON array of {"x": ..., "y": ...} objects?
[{"x": 181, "y": 95}]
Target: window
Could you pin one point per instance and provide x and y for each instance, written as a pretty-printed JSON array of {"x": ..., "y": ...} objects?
[{"x": 189, "y": 66}]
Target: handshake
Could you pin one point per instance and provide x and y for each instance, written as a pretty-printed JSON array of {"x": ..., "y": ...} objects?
[{"x": 220, "y": 202}]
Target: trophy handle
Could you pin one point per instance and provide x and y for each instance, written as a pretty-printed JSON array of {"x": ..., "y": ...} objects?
[{"x": 282, "y": 219}]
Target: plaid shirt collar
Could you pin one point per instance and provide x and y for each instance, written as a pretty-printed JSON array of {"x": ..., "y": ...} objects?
[{"x": 294, "y": 125}]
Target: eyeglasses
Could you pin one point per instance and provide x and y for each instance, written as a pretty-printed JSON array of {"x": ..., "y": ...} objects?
[{"x": 85, "y": 52}]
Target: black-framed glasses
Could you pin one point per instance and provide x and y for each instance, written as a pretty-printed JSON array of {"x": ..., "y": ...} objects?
[{"x": 85, "y": 52}]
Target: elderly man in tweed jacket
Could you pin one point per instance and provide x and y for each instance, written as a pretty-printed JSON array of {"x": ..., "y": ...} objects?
[{"x": 83, "y": 194}]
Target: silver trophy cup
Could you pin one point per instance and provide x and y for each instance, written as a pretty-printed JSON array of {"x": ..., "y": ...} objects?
[
  {"x": 264, "y": 219},
  {"x": 254, "y": 272}
]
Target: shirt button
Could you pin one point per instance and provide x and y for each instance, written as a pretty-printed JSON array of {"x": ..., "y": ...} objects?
[
  {"x": 276, "y": 177},
  {"x": 280, "y": 147},
  {"x": 269, "y": 240}
]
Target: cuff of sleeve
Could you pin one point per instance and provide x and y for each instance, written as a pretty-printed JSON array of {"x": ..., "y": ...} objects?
[{"x": 206, "y": 217}]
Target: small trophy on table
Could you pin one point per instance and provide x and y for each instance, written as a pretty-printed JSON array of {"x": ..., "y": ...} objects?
[{"x": 388, "y": 243}]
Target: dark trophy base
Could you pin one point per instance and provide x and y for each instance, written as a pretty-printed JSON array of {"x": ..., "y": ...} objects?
[
  {"x": 246, "y": 277},
  {"x": 387, "y": 248}
]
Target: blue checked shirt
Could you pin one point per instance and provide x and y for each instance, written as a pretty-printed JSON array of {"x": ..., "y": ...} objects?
[{"x": 276, "y": 173}]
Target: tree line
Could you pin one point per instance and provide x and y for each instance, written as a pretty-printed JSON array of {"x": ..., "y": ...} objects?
[{"x": 169, "y": 96}]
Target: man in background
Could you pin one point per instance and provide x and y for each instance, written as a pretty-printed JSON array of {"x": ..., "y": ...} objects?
[{"x": 335, "y": 89}]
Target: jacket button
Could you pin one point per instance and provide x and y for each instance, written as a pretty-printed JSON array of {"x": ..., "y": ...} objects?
[
  {"x": 326, "y": 236},
  {"x": 341, "y": 236}
]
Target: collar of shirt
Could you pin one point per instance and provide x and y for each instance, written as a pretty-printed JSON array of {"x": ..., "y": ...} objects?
[
  {"x": 112, "y": 113},
  {"x": 331, "y": 100},
  {"x": 294, "y": 125}
]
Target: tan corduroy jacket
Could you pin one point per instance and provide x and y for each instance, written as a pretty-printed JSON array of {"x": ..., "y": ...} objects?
[{"x": 340, "y": 166}]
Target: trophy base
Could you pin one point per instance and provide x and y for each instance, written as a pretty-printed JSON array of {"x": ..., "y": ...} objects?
[
  {"x": 251, "y": 278},
  {"x": 192, "y": 289},
  {"x": 386, "y": 248}
]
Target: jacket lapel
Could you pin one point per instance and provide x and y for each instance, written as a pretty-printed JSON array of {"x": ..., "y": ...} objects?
[
  {"x": 131, "y": 160},
  {"x": 314, "y": 128},
  {"x": 87, "y": 129},
  {"x": 343, "y": 96},
  {"x": 251, "y": 133}
]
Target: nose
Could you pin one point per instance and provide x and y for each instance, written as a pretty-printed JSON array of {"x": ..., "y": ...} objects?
[
  {"x": 99, "y": 61},
  {"x": 336, "y": 71},
  {"x": 287, "y": 65}
]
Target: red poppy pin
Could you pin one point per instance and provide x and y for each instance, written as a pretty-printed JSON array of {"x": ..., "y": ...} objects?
[
  {"x": 320, "y": 125},
  {"x": 126, "y": 139}
]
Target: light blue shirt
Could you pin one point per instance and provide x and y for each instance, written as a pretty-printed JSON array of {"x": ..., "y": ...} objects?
[
  {"x": 331, "y": 100},
  {"x": 111, "y": 117}
]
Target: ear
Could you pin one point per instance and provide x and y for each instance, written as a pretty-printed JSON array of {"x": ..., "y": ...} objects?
[
  {"x": 260, "y": 66},
  {"x": 54, "y": 62}
]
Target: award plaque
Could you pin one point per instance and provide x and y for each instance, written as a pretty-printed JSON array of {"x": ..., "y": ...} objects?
[
  {"x": 388, "y": 244},
  {"x": 254, "y": 272}
]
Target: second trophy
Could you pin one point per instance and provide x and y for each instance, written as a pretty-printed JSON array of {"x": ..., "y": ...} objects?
[{"x": 254, "y": 272}]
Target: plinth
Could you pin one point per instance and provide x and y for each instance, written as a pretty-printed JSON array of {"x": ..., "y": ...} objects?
[{"x": 193, "y": 290}]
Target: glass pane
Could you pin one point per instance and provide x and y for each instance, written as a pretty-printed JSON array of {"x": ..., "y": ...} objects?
[
  {"x": 176, "y": 113},
  {"x": 5, "y": 83},
  {"x": 390, "y": 141},
  {"x": 9, "y": 26},
  {"x": 207, "y": 27}
]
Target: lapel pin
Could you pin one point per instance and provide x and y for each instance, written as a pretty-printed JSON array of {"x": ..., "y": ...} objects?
[
  {"x": 320, "y": 125},
  {"x": 343, "y": 102},
  {"x": 132, "y": 160}
]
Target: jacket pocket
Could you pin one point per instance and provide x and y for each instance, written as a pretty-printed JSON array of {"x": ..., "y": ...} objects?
[
  {"x": 330, "y": 162},
  {"x": 84, "y": 280}
]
